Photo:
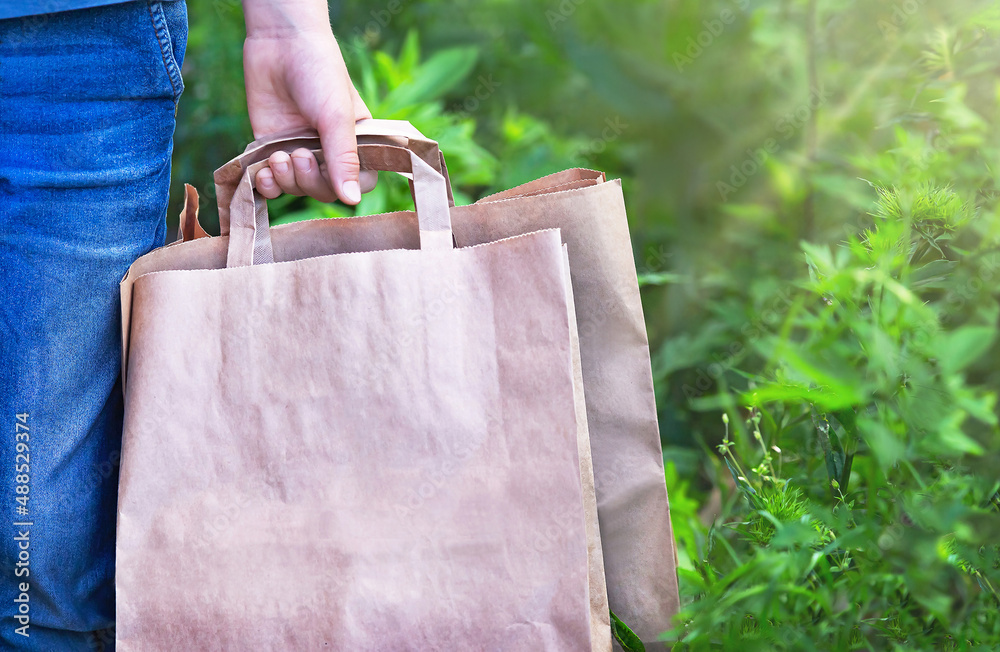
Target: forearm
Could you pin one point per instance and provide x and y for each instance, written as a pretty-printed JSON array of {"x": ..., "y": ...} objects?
[{"x": 280, "y": 18}]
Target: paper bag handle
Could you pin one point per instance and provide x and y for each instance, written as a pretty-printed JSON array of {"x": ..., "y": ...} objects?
[
  {"x": 250, "y": 233},
  {"x": 398, "y": 133}
]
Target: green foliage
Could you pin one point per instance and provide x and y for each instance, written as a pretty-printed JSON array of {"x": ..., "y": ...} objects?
[
  {"x": 846, "y": 310},
  {"x": 872, "y": 386},
  {"x": 814, "y": 213},
  {"x": 624, "y": 636},
  {"x": 875, "y": 381}
]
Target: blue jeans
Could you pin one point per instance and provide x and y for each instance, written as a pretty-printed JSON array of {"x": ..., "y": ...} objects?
[{"x": 87, "y": 104}]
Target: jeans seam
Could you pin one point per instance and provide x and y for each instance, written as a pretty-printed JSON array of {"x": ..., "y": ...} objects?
[{"x": 159, "y": 22}]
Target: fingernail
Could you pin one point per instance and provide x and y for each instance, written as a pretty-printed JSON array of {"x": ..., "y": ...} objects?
[
  {"x": 281, "y": 167},
  {"x": 352, "y": 191},
  {"x": 301, "y": 163},
  {"x": 265, "y": 182}
]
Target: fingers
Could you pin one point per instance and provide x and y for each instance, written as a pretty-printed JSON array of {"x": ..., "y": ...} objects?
[
  {"x": 339, "y": 177},
  {"x": 309, "y": 178},
  {"x": 266, "y": 185},
  {"x": 368, "y": 180},
  {"x": 297, "y": 174},
  {"x": 278, "y": 177}
]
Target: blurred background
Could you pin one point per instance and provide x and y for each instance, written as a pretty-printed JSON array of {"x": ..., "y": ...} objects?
[{"x": 813, "y": 210}]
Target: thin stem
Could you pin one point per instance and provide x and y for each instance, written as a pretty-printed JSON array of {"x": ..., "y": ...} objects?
[{"x": 808, "y": 209}]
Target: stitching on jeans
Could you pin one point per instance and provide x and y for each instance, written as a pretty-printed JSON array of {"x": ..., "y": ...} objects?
[{"x": 158, "y": 21}]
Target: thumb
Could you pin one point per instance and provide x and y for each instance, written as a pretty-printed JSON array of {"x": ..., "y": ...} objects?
[
  {"x": 340, "y": 145},
  {"x": 369, "y": 178}
]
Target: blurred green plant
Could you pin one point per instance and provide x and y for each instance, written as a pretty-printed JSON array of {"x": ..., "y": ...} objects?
[
  {"x": 864, "y": 392},
  {"x": 867, "y": 351}
]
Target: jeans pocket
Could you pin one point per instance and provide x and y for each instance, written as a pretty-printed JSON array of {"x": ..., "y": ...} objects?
[{"x": 170, "y": 23}]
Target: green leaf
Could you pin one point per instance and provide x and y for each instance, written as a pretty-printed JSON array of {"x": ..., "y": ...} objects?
[
  {"x": 433, "y": 79},
  {"x": 885, "y": 445},
  {"x": 409, "y": 54},
  {"x": 658, "y": 278},
  {"x": 845, "y": 420},
  {"x": 836, "y": 459},
  {"x": 933, "y": 274},
  {"x": 818, "y": 258},
  {"x": 625, "y": 636},
  {"x": 960, "y": 348}
]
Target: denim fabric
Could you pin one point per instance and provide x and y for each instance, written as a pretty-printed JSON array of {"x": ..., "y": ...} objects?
[
  {"x": 87, "y": 104},
  {"x": 18, "y": 8}
]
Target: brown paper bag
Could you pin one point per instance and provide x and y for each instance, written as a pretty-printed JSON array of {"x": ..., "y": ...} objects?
[
  {"x": 640, "y": 558},
  {"x": 368, "y": 449}
]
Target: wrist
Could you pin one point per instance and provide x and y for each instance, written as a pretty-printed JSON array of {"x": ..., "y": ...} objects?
[{"x": 282, "y": 19}]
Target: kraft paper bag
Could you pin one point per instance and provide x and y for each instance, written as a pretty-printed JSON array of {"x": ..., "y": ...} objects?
[
  {"x": 368, "y": 440},
  {"x": 640, "y": 557}
]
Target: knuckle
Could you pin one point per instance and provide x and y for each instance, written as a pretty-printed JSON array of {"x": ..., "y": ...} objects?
[{"x": 348, "y": 161}]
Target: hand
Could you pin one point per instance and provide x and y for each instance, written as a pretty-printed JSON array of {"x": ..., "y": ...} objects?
[{"x": 296, "y": 77}]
